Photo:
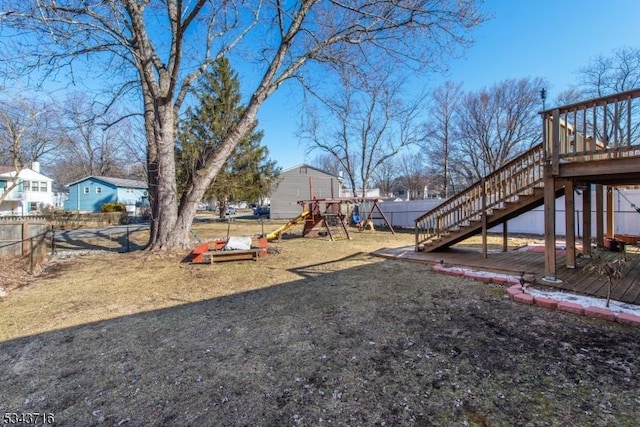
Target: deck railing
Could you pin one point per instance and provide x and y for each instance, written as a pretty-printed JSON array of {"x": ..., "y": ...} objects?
[
  {"x": 518, "y": 176},
  {"x": 597, "y": 129}
]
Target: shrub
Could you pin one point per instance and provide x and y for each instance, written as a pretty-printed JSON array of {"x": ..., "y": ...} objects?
[{"x": 113, "y": 207}]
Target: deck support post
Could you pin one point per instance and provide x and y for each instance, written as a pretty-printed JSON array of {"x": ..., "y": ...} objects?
[
  {"x": 549, "y": 226},
  {"x": 484, "y": 218},
  {"x": 610, "y": 229},
  {"x": 505, "y": 243},
  {"x": 570, "y": 223},
  {"x": 599, "y": 216},
  {"x": 586, "y": 222}
]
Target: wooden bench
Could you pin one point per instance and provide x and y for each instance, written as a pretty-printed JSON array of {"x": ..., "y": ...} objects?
[{"x": 210, "y": 257}]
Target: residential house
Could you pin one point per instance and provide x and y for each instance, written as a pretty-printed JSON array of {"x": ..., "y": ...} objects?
[
  {"x": 371, "y": 193},
  {"x": 302, "y": 182},
  {"x": 90, "y": 193},
  {"x": 32, "y": 193},
  {"x": 402, "y": 192}
]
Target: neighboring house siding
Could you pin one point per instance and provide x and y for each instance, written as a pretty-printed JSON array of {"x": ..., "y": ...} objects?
[
  {"x": 33, "y": 193},
  {"x": 300, "y": 183},
  {"x": 89, "y": 194},
  {"x": 130, "y": 196}
]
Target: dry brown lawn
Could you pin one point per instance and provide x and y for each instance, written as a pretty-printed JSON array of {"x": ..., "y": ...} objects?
[
  {"x": 318, "y": 333},
  {"x": 77, "y": 290}
]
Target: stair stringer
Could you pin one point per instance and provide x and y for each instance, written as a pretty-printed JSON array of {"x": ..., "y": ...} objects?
[
  {"x": 504, "y": 194},
  {"x": 527, "y": 203}
]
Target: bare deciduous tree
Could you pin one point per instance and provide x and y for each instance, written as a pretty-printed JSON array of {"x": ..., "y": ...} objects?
[
  {"x": 88, "y": 146},
  {"x": 606, "y": 75},
  {"x": 365, "y": 125},
  {"x": 498, "y": 123},
  {"x": 439, "y": 142},
  {"x": 25, "y": 136},
  {"x": 327, "y": 163},
  {"x": 159, "y": 48},
  {"x": 413, "y": 175},
  {"x": 386, "y": 176}
]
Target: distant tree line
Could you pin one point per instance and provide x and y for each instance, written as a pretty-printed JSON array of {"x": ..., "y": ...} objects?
[{"x": 451, "y": 138}]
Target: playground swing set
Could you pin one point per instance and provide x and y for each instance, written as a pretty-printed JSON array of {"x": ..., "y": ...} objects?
[
  {"x": 324, "y": 216},
  {"x": 330, "y": 217}
]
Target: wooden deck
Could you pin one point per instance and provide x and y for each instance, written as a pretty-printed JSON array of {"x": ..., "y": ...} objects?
[{"x": 577, "y": 280}]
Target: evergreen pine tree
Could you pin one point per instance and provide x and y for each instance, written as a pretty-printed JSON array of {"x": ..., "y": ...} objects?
[{"x": 248, "y": 172}]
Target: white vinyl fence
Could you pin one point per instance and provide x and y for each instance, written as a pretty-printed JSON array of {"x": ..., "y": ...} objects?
[{"x": 626, "y": 219}]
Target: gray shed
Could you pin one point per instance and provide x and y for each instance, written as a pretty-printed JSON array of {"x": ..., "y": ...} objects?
[{"x": 302, "y": 182}]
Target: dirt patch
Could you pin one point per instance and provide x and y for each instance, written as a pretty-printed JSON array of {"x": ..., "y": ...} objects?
[{"x": 320, "y": 333}]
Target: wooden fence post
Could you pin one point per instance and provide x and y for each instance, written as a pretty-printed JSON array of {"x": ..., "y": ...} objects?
[
  {"x": 25, "y": 236},
  {"x": 31, "y": 255},
  {"x": 53, "y": 240}
]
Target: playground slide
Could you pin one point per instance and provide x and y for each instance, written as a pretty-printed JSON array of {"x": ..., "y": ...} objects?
[{"x": 286, "y": 227}]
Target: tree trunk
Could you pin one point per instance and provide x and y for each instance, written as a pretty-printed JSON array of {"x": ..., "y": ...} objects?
[
  {"x": 162, "y": 178},
  {"x": 203, "y": 178}
]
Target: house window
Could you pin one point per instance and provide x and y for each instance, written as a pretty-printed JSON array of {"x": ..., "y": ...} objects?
[
  {"x": 43, "y": 187},
  {"x": 33, "y": 206},
  {"x": 98, "y": 190},
  {"x": 303, "y": 170},
  {"x": 26, "y": 186},
  {"x": 86, "y": 190}
]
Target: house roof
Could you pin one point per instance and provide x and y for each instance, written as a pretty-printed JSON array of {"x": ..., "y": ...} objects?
[
  {"x": 118, "y": 182},
  {"x": 25, "y": 172},
  {"x": 301, "y": 165}
]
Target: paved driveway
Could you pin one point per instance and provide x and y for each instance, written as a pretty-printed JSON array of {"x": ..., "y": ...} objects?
[{"x": 113, "y": 238}]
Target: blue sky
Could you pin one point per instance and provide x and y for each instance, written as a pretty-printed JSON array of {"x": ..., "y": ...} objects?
[{"x": 550, "y": 39}]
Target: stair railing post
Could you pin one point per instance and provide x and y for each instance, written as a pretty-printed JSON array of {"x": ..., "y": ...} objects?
[
  {"x": 484, "y": 216},
  {"x": 555, "y": 142}
]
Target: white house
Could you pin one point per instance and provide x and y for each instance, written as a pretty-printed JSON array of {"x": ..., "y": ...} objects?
[{"x": 33, "y": 193}]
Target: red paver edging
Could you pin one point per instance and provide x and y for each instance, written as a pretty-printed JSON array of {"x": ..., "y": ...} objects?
[
  {"x": 600, "y": 313},
  {"x": 628, "y": 319},
  {"x": 570, "y": 307},
  {"x": 513, "y": 290},
  {"x": 546, "y": 302},
  {"x": 478, "y": 276},
  {"x": 516, "y": 294},
  {"x": 501, "y": 280},
  {"x": 523, "y": 298}
]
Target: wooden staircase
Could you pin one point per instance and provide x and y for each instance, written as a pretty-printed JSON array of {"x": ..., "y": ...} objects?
[{"x": 504, "y": 194}]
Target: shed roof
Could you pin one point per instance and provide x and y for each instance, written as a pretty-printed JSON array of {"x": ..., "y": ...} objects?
[{"x": 307, "y": 166}]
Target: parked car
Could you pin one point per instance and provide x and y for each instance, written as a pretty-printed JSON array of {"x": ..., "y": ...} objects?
[
  {"x": 262, "y": 211},
  {"x": 230, "y": 210}
]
